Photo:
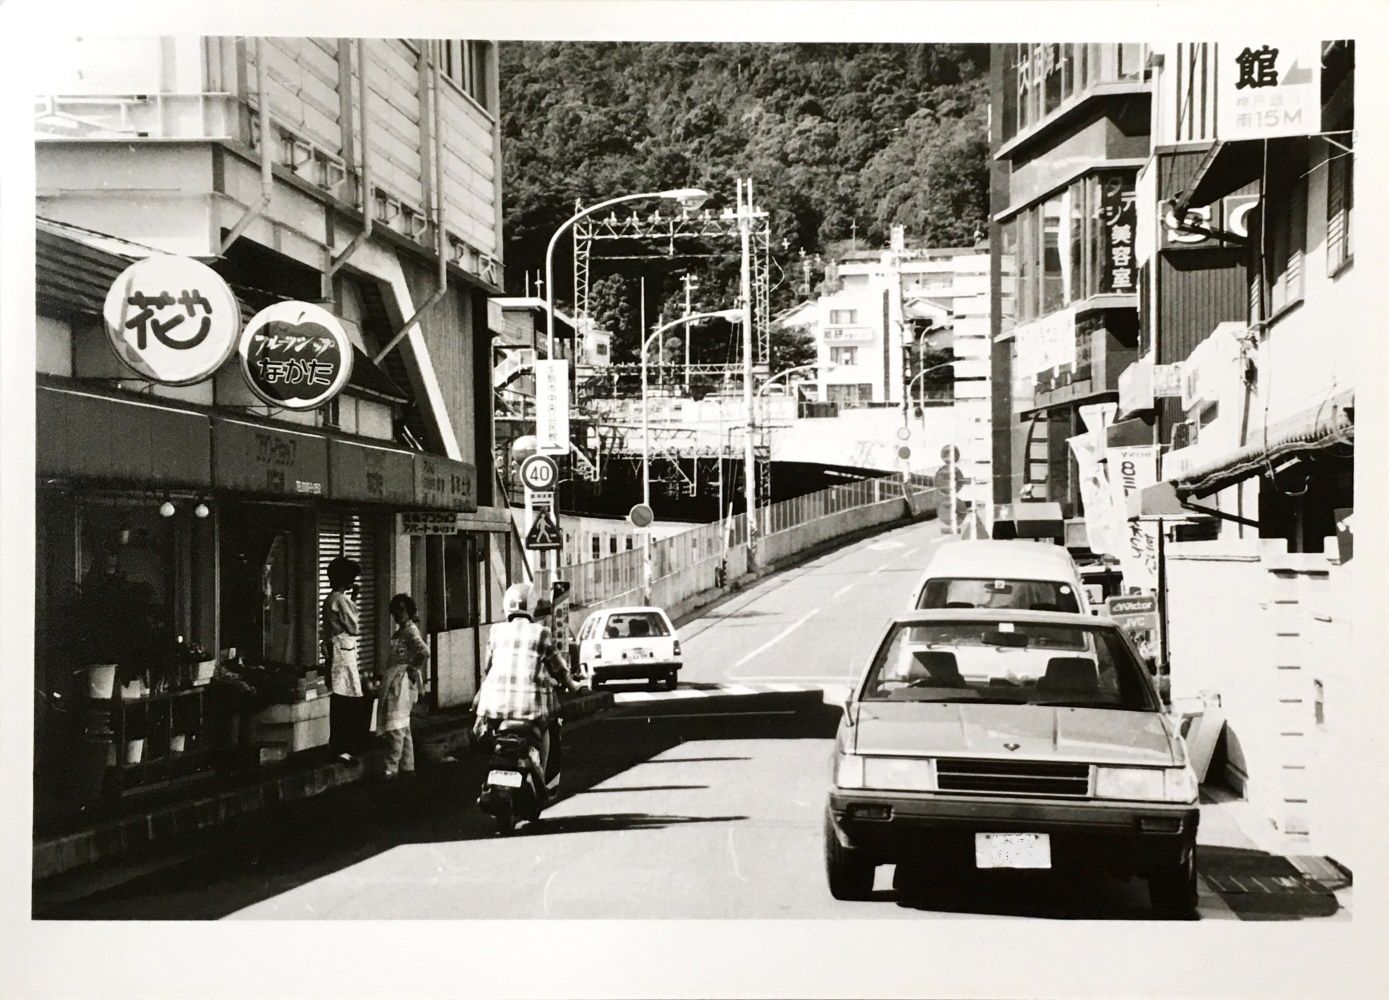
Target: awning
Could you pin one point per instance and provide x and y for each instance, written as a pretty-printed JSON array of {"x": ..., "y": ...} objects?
[
  {"x": 1034, "y": 519},
  {"x": 264, "y": 459},
  {"x": 369, "y": 472},
  {"x": 1229, "y": 166},
  {"x": 1330, "y": 422},
  {"x": 86, "y": 434}
]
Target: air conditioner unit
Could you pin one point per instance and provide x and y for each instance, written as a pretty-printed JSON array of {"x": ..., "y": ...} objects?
[{"x": 1184, "y": 434}]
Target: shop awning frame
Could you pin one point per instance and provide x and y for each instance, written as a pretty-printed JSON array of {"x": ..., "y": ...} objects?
[
  {"x": 1229, "y": 166},
  {"x": 1330, "y": 423}
]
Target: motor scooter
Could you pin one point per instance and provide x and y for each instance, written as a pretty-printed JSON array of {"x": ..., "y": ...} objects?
[{"x": 509, "y": 791}]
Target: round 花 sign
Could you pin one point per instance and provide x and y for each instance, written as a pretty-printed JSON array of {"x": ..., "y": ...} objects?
[
  {"x": 296, "y": 355},
  {"x": 171, "y": 319}
]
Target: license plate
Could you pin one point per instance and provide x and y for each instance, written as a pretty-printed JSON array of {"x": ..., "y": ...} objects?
[
  {"x": 1012, "y": 850},
  {"x": 507, "y": 779},
  {"x": 637, "y": 654}
]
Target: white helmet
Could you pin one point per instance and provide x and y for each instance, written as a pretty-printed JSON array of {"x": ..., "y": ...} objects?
[{"x": 519, "y": 600}]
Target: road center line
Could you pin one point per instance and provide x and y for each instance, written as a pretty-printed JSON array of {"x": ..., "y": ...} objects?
[{"x": 778, "y": 637}]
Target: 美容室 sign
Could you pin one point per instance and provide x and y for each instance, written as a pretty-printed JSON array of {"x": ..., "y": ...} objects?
[
  {"x": 296, "y": 355},
  {"x": 171, "y": 320}
]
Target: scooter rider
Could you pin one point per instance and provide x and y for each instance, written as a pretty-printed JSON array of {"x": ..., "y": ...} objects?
[{"x": 523, "y": 667}]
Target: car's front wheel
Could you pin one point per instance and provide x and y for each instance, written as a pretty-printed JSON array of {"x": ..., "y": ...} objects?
[
  {"x": 1172, "y": 889},
  {"x": 850, "y": 872}
]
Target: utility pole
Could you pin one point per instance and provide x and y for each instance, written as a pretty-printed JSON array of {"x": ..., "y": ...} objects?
[
  {"x": 749, "y": 454},
  {"x": 690, "y": 282}
]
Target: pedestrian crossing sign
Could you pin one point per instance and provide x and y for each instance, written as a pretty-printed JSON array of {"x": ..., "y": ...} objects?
[{"x": 544, "y": 532}]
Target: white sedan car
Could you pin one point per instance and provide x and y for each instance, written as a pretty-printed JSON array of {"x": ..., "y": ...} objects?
[{"x": 627, "y": 643}]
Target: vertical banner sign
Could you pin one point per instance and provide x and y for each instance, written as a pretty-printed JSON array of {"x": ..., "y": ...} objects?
[
  {"x": 1131, "y": 469},
  {"x": 1118, "y": 217},
  {"x": 1104, "y": 524},
  {"x": 552, "y": 407},
  {"x": 1266, "y": 89}
]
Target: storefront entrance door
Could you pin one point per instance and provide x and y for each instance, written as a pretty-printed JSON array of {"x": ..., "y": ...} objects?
[{"x": 277, "y": 598}]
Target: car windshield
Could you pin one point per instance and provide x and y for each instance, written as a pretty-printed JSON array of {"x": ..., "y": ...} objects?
[
  {"x": 1024, "y": 663},
  {"x": 1019, "y": 595},
  {"x": 635, "y": 625}
]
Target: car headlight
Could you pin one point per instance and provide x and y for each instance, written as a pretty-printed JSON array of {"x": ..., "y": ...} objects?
[
  {"x": 907, "y": 774},
  {"x": 848, "y": 771},
  {"x": 1146, "y": 784}
]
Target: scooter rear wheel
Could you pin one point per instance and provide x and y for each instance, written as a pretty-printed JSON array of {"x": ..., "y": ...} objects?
[{"x": 506, "y": 821}]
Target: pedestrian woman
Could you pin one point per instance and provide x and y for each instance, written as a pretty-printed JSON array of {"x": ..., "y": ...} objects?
[
  {"x": 401, "y": 685},
  {"x": 340, "y": 627}
]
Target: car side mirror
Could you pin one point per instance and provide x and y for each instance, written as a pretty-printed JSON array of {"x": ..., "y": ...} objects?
[
  {"x": 1151, "y": 663},
  {"x": 849, "y": 710}
]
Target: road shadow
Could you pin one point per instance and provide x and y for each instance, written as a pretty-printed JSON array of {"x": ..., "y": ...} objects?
[
  {"x": 1055, "y": 895},
  {"x": 612, "y": 822},
  {"x": 640, "y": 788},
  {"x": 276, "y": 850}
]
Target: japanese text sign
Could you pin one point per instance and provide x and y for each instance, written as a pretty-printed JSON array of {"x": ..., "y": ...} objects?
[
  {"x": 296, "y": 355},
  {"x": 1268, "y": 89},
  {"x": 171, "y": 319},
  {"x": 1130, "y": 469},
  {"x": 552, "y": 407},
  {"x": 1045, "y": 344},
  {"x": 1118, "y": 217}
]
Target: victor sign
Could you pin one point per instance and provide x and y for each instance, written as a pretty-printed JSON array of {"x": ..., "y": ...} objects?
[
  {"x": 296, "y": 355},
  {"x": 171, "y": 320}
]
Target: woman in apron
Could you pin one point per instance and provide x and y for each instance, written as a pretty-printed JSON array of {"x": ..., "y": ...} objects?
[{"x": 347, "y": 731}]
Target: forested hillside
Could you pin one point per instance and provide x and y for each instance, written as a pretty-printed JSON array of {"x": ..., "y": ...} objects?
[{"x": 841, "y": 141}]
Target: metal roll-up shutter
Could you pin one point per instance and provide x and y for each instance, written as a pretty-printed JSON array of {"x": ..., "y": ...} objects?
[{"x": 342, "y": 533}]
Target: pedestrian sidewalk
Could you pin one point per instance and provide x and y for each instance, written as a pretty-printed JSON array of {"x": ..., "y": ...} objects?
[{"x": 140, "y": 826}]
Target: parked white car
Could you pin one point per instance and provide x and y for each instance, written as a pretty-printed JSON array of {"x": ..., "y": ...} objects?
[
  {"x": 627, "y": 643},
  {"x": 999, "y": 575}
]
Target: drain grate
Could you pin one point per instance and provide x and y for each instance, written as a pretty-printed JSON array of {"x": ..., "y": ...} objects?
[{"x": 1268, "y": 885}]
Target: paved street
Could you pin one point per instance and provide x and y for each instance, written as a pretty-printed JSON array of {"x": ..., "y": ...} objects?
[{"x": 702, "y": 802}]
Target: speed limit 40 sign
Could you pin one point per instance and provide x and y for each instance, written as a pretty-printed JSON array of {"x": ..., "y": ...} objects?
[{"x": 539, "y": 473}]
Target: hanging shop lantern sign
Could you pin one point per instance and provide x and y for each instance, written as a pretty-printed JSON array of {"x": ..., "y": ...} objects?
[
  {"x": 171, "y": 320},
  {"x": 296, "y": 355}
]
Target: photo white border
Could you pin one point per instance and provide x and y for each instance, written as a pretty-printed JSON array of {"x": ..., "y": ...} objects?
[{"x": 930, "y": 957}]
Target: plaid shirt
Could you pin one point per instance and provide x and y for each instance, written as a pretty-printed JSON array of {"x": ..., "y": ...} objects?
[{"x": 523, "y": 667}]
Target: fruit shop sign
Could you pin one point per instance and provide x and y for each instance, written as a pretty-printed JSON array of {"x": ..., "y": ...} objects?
[{"x": 296, "y": 355}]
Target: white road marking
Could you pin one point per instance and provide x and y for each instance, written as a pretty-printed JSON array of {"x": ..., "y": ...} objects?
[
  {"x": 778, "y": 637},
  {"x": 736, "y": 689},
  {"x": 733, "y": 854},
  {"x": 843, "y": 590}
]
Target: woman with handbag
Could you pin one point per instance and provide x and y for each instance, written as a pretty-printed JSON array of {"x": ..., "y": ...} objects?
[{"x": 401, "y": 685}]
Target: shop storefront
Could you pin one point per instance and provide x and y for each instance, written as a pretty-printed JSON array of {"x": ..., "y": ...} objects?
[{"x": 180, "y": 577}]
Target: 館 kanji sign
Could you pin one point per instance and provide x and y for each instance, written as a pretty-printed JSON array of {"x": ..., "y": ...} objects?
[
  {"x": 1268, "y": 89},
  {"x": 296, "y": 355},
  {"x": 171, "y": 320}
]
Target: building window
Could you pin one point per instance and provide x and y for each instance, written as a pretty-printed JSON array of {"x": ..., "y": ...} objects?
[
  {"x": 1286, "y": 244},
  {"x": 1340, "y": 199},
  {"x": 843, "y": 317},
  {"x": 850, "y": 394},
  {"x": 596, "y": 547},
  {"x": 845, "y": 357},
  {"x": 465, "y": 66},
  {"x": 1077, "y": 244},
  {"x": 1040, "y": 78},
  {"x": 612, "y": 545},
  {"x": 629, "y": 543}
]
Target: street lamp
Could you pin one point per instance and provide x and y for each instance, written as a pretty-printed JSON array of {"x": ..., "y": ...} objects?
[
  {"x": 733, "y": 316},
  {"x": 688, "y": 199},
  {"x": 828, "y": 366},
  {"x": 907, "y": 395}
]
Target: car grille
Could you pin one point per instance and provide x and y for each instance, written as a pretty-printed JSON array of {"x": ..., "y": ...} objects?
[{"x": 1013, "y": 777}]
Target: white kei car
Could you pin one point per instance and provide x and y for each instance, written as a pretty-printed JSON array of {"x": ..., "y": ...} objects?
[{"x": 628, "y": 643}]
